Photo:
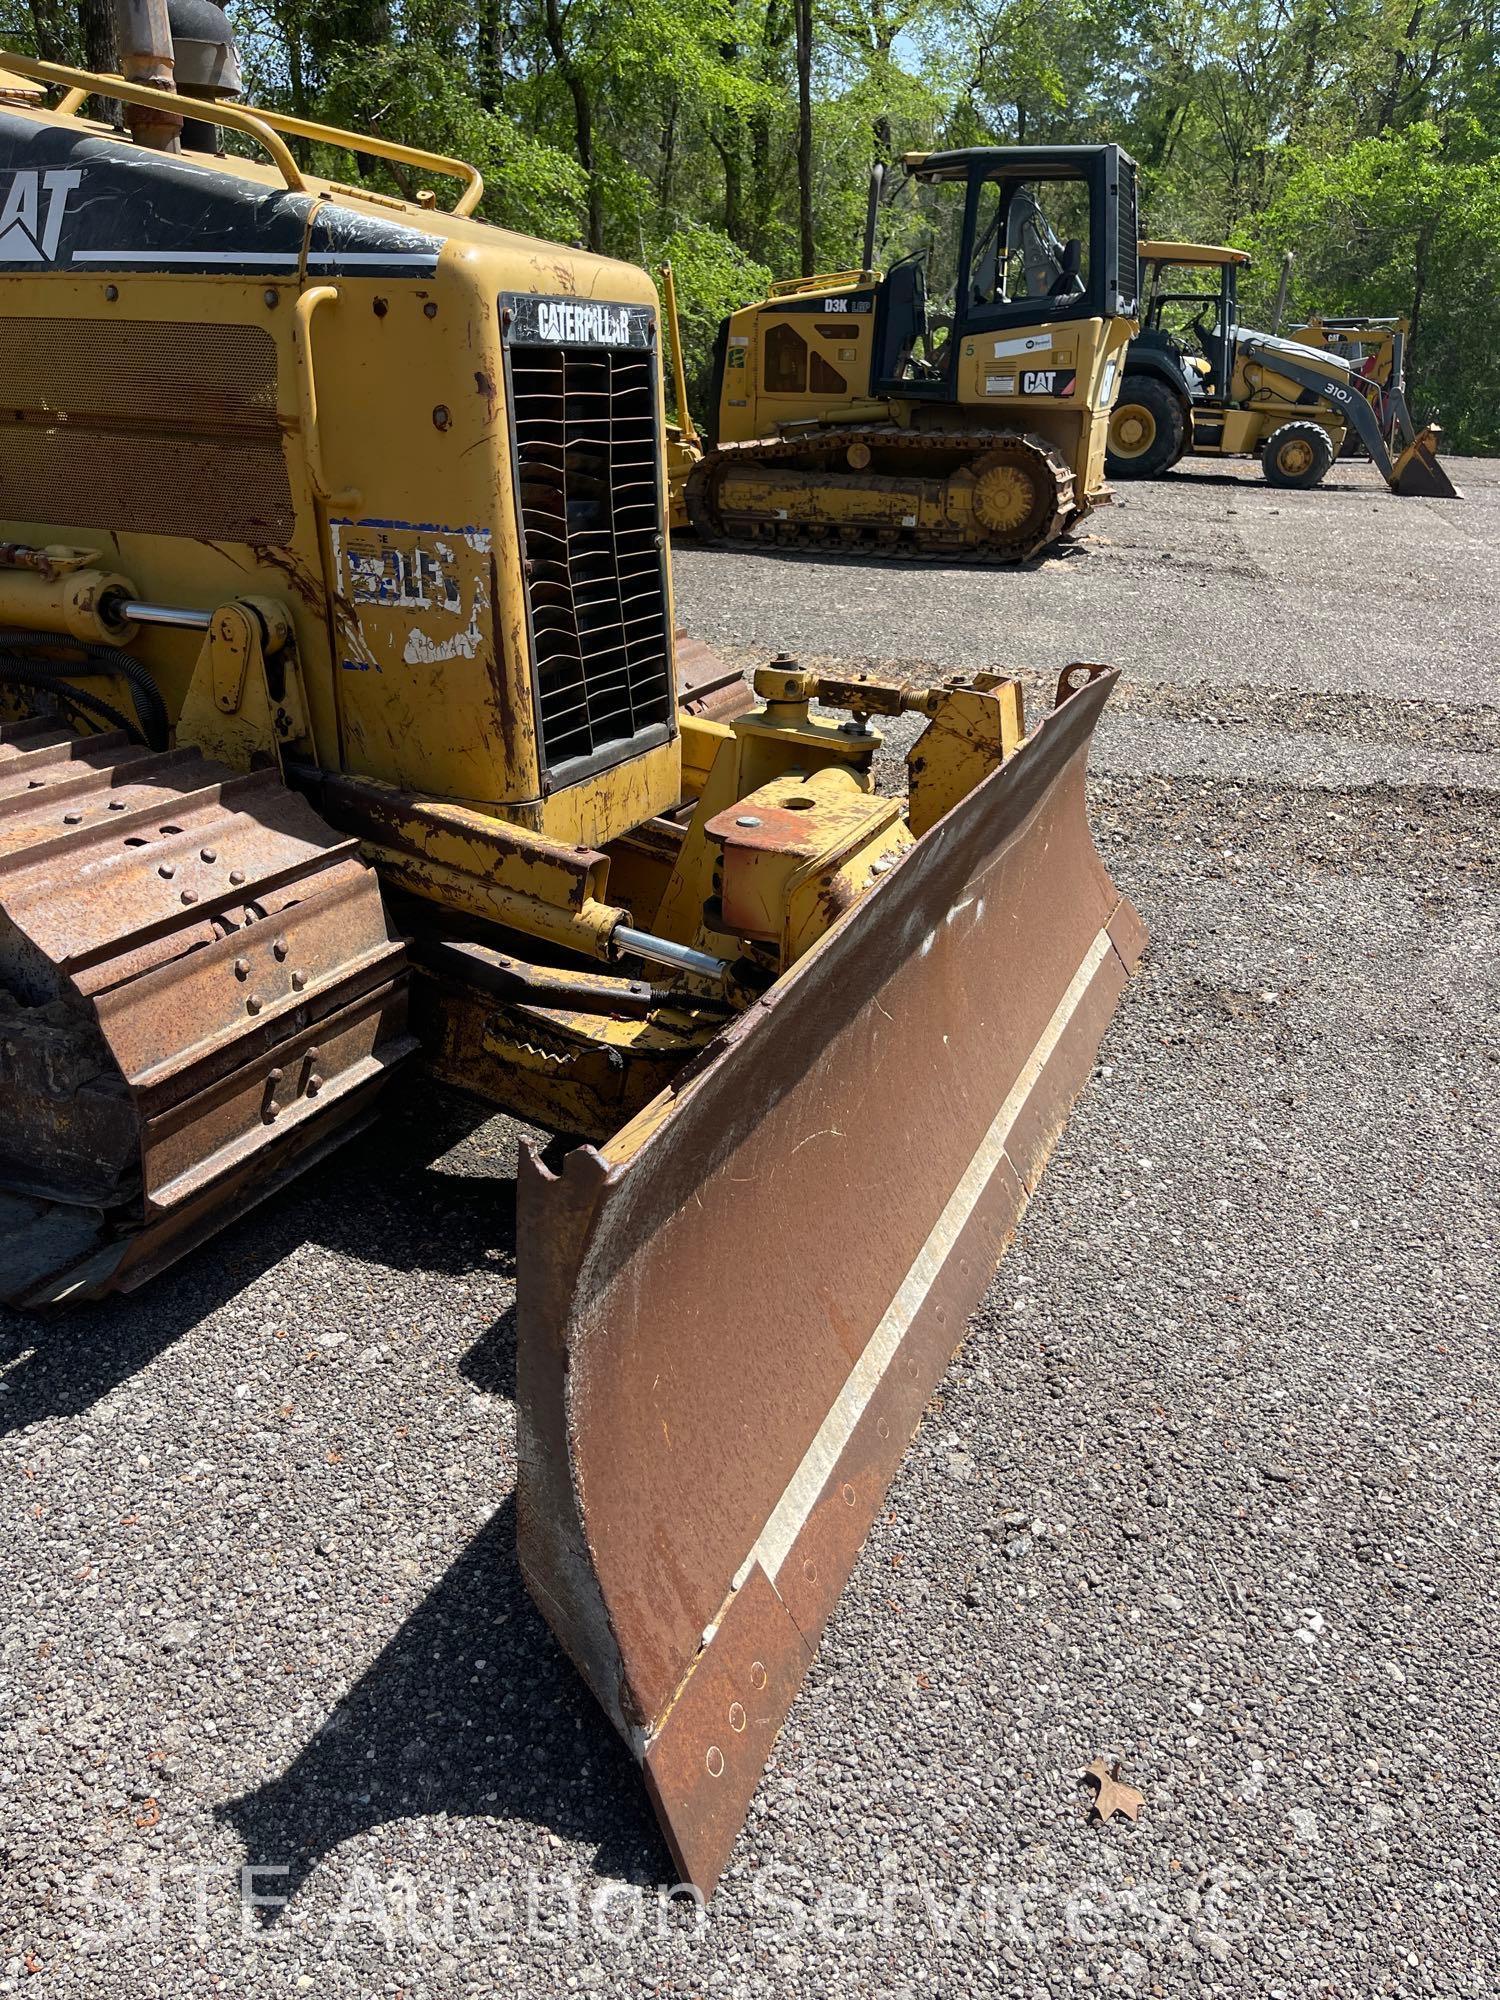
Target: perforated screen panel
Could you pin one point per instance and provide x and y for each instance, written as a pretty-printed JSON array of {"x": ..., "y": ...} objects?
[
  {"x": 1127, "y": 223},
  {"x": 145, "y": 427}
]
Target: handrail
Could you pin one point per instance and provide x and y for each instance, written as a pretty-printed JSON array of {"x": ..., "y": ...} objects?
[
  {"x": 383, "y": 149},
  {"x": 312, "y": 444},
  {"x": 259, "y": 124},
  {"x": 228, "y": 115},
  {"x": 816, "y": 281}
]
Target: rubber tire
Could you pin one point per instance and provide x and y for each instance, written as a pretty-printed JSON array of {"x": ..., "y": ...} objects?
[
  {"x": 1301, "y": 429},
  {"x": 1171, "y": 429}
]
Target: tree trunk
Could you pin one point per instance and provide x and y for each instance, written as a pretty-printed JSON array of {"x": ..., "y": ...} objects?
[
  {"x": 583, "y": 122},
  {"x": 804, "y": 135},
  {"x": 668, "y": 163},
  {"x": 51, "y": 30},
  {"x": 96, "y": 26},
  {"x": 764, "y": 182},
  {"x": 488, "y": 71},
  {"x": 727, "y": 146}
]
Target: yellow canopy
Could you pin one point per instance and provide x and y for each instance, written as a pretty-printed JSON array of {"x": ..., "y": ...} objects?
[{"x": 1193, "y": 253}]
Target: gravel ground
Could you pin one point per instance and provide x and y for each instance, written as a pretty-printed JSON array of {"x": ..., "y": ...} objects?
[{"x": 1210, "y": 1490}]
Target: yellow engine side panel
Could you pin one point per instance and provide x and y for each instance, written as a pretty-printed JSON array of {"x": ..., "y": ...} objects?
[
  {"x": 377, "y": 423},
  {"x": 799, "y": 359}
]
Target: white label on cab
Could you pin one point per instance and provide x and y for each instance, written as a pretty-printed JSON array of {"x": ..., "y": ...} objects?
[{"x": 1030, "y": 343}]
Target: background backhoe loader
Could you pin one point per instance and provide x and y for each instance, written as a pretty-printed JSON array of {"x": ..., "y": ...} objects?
[
  {"x": 1197, "y": 380},
  {"x": 957, "y": 404},
  {"x": 338, "y": 733}
]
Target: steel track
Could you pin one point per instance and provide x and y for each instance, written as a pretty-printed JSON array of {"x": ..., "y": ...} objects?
[{"x": 909, "y": 545}]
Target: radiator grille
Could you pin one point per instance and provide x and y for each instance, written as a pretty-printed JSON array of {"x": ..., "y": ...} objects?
[
  {"x": 584, "y": 422},
  {"x": 154, "y": 428}
]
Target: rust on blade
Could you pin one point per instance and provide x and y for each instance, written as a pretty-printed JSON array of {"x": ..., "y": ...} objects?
[
  {"x": 733, "y": 1315},
  {"x": 707, "y": 685}
]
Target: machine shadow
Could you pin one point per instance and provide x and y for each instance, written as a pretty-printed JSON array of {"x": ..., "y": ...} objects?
[
  {"x": 1065, "y": 550},
  {"x": 470, "y": 1711},
  {"x": 1251, "y": 476},
  {"x": 490, "y": 1364},
  {"x": 379, "y": 1201}
]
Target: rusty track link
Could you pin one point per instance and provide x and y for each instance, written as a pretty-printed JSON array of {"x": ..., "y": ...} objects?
[
  {"x": 910, "y": 545},
  {"x": 199, "y": 992}
]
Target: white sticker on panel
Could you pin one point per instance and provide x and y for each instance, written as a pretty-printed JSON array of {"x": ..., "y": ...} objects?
[{"x": 1030, "y": 343}]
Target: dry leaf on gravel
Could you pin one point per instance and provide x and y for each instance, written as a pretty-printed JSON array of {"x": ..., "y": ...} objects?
[{"x": 1111, "y": 1796}]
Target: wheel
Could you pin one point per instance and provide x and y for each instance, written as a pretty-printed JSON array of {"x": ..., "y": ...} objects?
[
  {"x": 1147, "y": 429},
  {"x": 1299, "y": 454}
]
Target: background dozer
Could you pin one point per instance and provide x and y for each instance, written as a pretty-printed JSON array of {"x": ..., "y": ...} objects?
[
  {"x": 957, "y": 404},
  {"x": 338, "y": 733},
  {"x": 1197, "y": 380}
]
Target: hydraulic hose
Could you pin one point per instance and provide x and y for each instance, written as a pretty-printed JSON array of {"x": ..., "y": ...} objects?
[
  {"x": 16, "y": 672},
  {"x": 151, "y": 712}
]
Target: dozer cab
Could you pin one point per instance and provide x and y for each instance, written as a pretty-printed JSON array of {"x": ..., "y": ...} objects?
[
  {"x": 955, "y": 405},
  {"x": 339, "y": 735},
  {"x": 1198, "y": 380}
]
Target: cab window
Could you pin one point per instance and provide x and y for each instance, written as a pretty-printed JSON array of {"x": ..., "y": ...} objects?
[
  {"x": 1031, "y": 245},
  {"x": 785, "y": 360},
  {"x": 1179, "y": 298},
  {"x": 791, "y": 368}
]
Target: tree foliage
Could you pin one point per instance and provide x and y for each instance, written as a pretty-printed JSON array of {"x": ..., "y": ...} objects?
[{"x": 1364, "y": 135}]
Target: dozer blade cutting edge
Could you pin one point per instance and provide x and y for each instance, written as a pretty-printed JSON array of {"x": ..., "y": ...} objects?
[{"x": 734, "y": 1313}]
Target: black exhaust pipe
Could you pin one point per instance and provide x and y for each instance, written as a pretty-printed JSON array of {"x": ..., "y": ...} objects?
[
  {"x": 872, "y": 216},
  {"x": 208, "y": 65}
]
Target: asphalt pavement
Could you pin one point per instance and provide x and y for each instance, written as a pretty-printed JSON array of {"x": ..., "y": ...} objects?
[{"x": 1210, "y": 1492}]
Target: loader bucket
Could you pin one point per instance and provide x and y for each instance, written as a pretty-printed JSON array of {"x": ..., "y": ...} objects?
[
  {"x": 733, "y": 1314},
  {"x": 1419, "y": 473}
]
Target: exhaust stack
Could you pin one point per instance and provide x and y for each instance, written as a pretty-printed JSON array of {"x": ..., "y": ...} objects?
[
  {"x": 207, "y": 59},
  {"x": 1280, "y": 307},
  {"x": 144, "y": 35},
  {"x": 872, "y": 216}
]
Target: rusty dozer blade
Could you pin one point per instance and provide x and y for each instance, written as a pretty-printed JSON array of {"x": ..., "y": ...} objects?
[
  {"x": 1419, "y": 473},
  {"x": 734, "y": 1313}
]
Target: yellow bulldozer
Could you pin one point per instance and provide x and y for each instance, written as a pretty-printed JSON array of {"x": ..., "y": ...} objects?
[
  {"x": 340, "y": 734},
  {"x": 1199, "y": 381},
  {"x": 955, "y": 405}
]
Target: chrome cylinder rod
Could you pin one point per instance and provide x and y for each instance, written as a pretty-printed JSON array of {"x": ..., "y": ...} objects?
[
  {"x": 164, "y": 614},
  {"x": 665, "y": 951}
]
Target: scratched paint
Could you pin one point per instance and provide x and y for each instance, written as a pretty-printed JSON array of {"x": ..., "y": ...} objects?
[
  {"x": 422, "y": 650},
  {"x": 416, "y": 628}
]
